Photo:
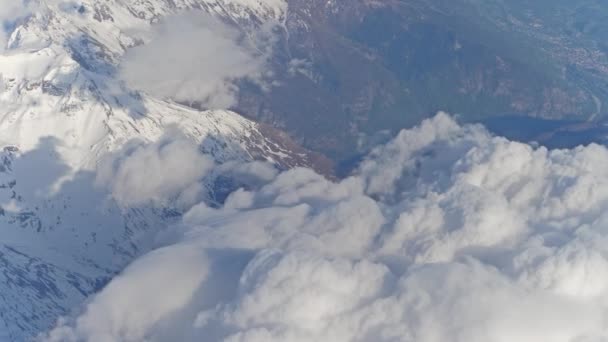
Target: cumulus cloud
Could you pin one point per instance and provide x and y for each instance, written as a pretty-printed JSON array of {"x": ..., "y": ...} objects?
[
  {"x": 196, "y": 58},
  {"x": 172, "y": 276},
  {"x": 446, "y": 233},
  {"x": 167, "y": 170}
]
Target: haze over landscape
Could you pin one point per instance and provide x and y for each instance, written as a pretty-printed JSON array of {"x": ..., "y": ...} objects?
[{"x": 303, "y": 170}]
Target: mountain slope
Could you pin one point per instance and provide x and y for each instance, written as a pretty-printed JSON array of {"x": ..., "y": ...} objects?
[
  {"x": 363, "y": 67},
  {"x": 59, "y": 80},
  {"x": 62, "y": 110}
]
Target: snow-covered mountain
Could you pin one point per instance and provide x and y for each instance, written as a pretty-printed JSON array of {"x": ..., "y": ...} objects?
[
  {"x": 62, "y": 109},
  {"x": 58, "y": 79},
  {"x": 340, "y": 76}
]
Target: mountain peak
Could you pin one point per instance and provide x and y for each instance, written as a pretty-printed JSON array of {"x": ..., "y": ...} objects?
[{"x": 63, "y": 108}]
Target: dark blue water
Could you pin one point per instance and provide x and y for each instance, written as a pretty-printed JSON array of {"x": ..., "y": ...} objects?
[{"x": 549, "y": 133}]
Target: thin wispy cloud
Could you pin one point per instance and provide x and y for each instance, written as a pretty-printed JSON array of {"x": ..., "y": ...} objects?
[{"x": 195, "y": 58}]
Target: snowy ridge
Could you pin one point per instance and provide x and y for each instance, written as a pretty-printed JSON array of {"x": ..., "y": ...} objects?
[
  {"x": 62, "y": 109},
  {"x": 58, "y": 78}
]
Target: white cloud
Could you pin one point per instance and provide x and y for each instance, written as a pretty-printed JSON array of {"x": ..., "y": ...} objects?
[
  {"x": 171, "y": 276},
  {"x": 444, "y": 234},
  {"x": 195, "y": 57},
  {"x": 168, "y": 170}
]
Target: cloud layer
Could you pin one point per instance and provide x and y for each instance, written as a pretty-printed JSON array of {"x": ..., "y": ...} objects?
[
  {"x": 195, "y": 58},
  {"x": 444, "y": 234}
]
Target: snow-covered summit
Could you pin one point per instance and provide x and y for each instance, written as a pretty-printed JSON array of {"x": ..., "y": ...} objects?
[
  {"x": 62, "y": 109},
  {"x": 58, "y": 76}
]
